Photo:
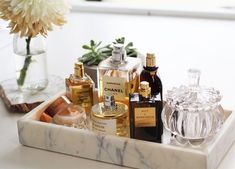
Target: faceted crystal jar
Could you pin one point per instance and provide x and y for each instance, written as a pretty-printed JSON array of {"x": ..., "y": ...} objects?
[{"x": 192, "y": 113}]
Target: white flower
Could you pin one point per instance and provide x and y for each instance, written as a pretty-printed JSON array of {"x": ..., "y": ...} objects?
[{"x": 31, "y": 17}]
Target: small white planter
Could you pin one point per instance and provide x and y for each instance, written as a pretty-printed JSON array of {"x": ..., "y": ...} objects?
[{"x": 92, "y": 71}]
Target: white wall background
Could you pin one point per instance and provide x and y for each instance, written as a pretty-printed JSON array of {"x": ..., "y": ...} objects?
[{"x": 179, "y": 44}]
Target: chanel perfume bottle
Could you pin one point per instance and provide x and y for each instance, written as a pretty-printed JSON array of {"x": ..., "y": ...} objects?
[
  {"x": 119, "y": 75},
  {"x": 79, "y": 88},
  {"x": 145, "y": 115},
  {"x": 109, "y": 117},
  {"x": 149, "y": 74}
]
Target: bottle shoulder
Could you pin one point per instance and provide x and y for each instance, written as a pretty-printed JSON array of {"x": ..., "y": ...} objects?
[
  {"x": 100, "y": 111},
  {"x": 74, "y": 80},
  {"x": 136, "y": 98},
  {"x": 151, "y": 77},
  {"x": 130, "y": 63}
]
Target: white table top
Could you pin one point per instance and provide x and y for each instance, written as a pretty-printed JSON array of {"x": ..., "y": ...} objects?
[{"x": 179, "y": 43}]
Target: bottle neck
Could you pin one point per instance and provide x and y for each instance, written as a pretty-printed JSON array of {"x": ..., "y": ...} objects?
[
  {"x": 79, "y": 70},
  {"x": 193, "y": 77},
  {"x": 78, "y": 74},
  {"x": 143, "y": 98}
]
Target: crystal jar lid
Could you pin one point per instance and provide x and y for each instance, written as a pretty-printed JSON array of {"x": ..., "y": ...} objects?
[{"x": 193, "y": 97}]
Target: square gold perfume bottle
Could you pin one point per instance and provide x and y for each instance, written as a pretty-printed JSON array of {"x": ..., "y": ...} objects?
[{"x": 79, "y": 88}]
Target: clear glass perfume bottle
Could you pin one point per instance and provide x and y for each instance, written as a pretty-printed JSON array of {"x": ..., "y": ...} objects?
[
  {"x": 145, "y": 115},
  {"x": 68, "y": 114},
  {"x": 119, "y": 75},
  {"x": 79, "y": 88},
  {"x": 149, "y": 74},
  {"x": 110, "y": 117}
]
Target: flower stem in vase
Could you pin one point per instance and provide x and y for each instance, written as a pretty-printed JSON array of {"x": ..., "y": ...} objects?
[{"x": 27, "y": 61}]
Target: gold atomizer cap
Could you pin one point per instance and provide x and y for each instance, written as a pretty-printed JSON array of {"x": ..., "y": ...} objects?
[
  {"x": 145, "y": 90},
  {"x": 150, "y": 60},
  {"x": 79, "y": 69}
]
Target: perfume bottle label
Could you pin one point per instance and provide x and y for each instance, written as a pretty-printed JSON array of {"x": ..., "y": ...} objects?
[
  {"x": 145, "y": 117},
  {"x": 82, "y": 96},
  {"x": 107, "y": 126},
  {"x": 114, "y": 86}
]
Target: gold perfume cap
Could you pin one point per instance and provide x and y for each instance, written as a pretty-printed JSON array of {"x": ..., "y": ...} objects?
[
  {"x": 79, "y": 69},
  {"x": 145, "y": 90},
  {"x": 150, "y": 60}
]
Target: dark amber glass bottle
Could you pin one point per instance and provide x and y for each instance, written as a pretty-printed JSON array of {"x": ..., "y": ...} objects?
[
  {"x": 145, "y": 115},
  {"x": 149, "y": 74}
]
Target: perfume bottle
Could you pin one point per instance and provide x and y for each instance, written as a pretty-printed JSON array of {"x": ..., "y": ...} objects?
[
  {"x": 58, "y": 104},
  {"x": 119, "y": 75},
  {"x": 145, "y": 115},
  {"x": 68, "y": 114},
  {"x": 79, "y": 88},
  {"x": 149, "y": 74},
  {"x": 110, "y": 117},
  {"x": 61, "y": 111}
]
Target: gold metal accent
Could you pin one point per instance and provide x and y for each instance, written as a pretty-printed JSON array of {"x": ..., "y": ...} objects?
[
  {"x": 145, "y": 90},
  {"x": 79, "y": 69},
  {"x": 150, "y": 60},
  {"x": 145, "y": 117}
]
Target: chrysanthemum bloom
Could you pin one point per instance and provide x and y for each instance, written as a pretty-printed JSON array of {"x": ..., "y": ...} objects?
[{"x": 31, "y": 17}]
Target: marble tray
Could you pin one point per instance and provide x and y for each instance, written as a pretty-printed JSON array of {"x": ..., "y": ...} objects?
[{"x": 123, "y": 151}]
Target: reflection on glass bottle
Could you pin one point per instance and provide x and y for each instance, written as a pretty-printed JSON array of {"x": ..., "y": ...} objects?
[
  {"x": 119, "y": 75},
  {"x": 69, "y": 114},
  {"x": 61, "y": 111},
  {"x": 79, "y": 88},
  {"x": 109, "y": 117},
  {"x": 149, "y": 74},
  {"x": 145, "y": 115}
]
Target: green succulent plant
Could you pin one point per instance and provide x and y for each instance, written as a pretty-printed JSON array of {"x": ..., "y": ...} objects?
[{"x": 96, "y": 53}]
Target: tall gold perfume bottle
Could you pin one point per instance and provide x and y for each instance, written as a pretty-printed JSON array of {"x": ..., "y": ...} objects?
[
  {"x": 119, "y": 75},
  {"x": 109, "y": 117},
  {"x": 79, "y": 88}
]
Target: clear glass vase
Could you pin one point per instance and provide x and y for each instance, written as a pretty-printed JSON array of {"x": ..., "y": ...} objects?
[{"x": 30, "y": 61}]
